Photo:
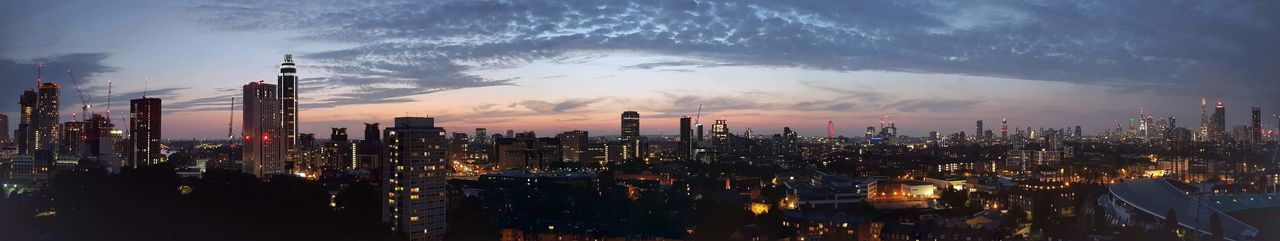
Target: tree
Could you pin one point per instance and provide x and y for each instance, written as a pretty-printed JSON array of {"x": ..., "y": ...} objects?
[
  {"x": 1171, "y": 220},
  {"x": 954, "y": 198}
]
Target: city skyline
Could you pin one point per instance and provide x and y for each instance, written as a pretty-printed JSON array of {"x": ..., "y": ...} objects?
[{"x": 579, "y": 78}]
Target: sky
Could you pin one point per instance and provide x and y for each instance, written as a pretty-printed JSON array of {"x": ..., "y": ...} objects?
[{"x": 553, "y": 66}]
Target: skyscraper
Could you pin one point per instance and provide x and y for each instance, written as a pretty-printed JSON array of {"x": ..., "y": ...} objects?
[
  {"x": 263, "y": 151},
  {"x": 482, "y": 136},
  {"x": 414, "y": 179},
  {"x": 371, "y": 148},
  {"x": 27, "y": 114},
  {"x": 684, "y": 148},
  {"x": 1255, "y": 126},
  {"x": 144, "y": 131},
  {"x": 1204, "y": 119},
  {"x": 632, "y": 144},
  {"x": 72, "y": 138},
  {"x": 44, "y": 122},
  {"x": 978, "y": 134},
  {"x": 4, "y": 130},
  {"x": 1219, "y": 121},
  {"x": 99, "y": 143},
  {"x": 1004, "y": 129},
  {"x": 288, "y": 83}
]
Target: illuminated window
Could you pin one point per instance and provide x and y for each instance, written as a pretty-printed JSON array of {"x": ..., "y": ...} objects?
[
  {"x": 413, "y": 197},
  {"x": 413, "y": 218}
]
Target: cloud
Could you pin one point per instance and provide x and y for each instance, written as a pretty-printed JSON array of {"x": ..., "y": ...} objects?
[
  {"x": 20, "y": 75},
  {"x": 430, "y": 46},
  {"x": 558, "y": 107},
  {"x": 933, "y": 105}
]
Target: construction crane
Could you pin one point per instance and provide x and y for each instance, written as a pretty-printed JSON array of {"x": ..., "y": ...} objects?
[
  {"x": 108, "y": 101},
  {"x": 698, "y": 117},
  {"x": 231, "y": 119},
  {"x": 84, "y": 107}
]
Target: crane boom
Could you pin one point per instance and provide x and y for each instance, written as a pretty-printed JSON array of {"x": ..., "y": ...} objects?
[
  {"x": 84, "y": 107},
  {"x": 698, "y": 118},
  {"x": 231, "y": 118}
]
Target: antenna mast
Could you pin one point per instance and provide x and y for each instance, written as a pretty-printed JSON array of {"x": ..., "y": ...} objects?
[{"x": 108, "y": 101}]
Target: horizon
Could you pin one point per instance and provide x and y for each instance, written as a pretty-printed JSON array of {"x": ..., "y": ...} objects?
[{"x": 579, "y": 75}]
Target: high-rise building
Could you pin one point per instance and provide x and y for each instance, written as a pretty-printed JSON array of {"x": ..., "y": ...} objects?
[
  {"x": 44, "y": 122},
  {"x": 4, "y": 130},
  {"x": 1219, "y": 130},
  {"x": 1255, "y": 127},
  {"x": 144, "y": 131},
  {"x": 633, "y": 144},
  {"x": 978, "y": 134},
  {"x": 1204, "y": 119},
  {"x": 27, "y": 104},
  {"x": 414, "y": 179},
  {"x": 1078, "y": 132},
  {"x": 1004, "y": 129},
  {"x": 72, "y": 138},
  {"x": 871, "y": 132},
  {"x": 338, "y": 134},
  {"x": 573, "y": 145},
  {"x": 481, "y": 137},
  {"x": 371, "y": 148},
  {"x": 100, "y": 143},
  {"x": 684, "y": 149},
  {"x": 288, "y": 84},
  {"x": 263, "y": 150}
]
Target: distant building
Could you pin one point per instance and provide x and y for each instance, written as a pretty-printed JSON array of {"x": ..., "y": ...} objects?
[
  {"x": 684, "y": 147},
  {"x": 414, "y": 179},
  {"x": 72, "y": 139},
  {"x": 1219, "y": 127},
  {"x": 573, "y": 146},
  {"x": 264, "y": 151},
  {"x": 144, "y": 131},
  {"x": 340, "y": 151},
  {"x": 4, "y": 130},
  {"x": 23, "y": 135},
  {"x": 527, "y": 153},
  {"x": 633, "y": 143},
  {"x": 1255, "y": 127}
]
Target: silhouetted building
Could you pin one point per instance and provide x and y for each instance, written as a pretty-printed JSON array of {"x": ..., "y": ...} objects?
[
  {"x": 1255, "y": 127},
  {"x": 371, "y": 148},
  {"x": 340, "y": 151},
  {"x": 144, "y": 131},
  {"x": 978, "y": 134},
  {"x": 27, "y": 104},
  {"x": 525, "y": 152},
  {"x": 264, "y": 152},
  {"x": 481, "y": 137},
  {"x": 1219, "y": 121},
  {"x": 72, "y": 138},
  {"x": 684, "y": 148},
  {"x": 4, "y": 130},
  {"x": 44, "y": 122},
  {"x": 414, "y": 179}
]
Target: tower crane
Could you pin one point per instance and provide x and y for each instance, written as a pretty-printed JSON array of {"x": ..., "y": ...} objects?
[{"x": 84, "y": 107}]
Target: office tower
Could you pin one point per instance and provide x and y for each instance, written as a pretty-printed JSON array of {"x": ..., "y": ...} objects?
[
  {"x": 790, "y": 140},
  {"x": 1004, "y": 129},
  {"x": 4, "y": 130},
  {"x": 632, "y": 143},
  {"x": 458, "y": 145},
  {"x": 871, "y": 132},
  {"x": 1255, "y": 127},
  {"x": 720, "y": 131},
  {"x": 72, "y": 138},
  {"x": 526, "y": 151},
  {"x": 573, "y": 145},
  {"x": 27, "y": 104},
  {"x": 288, "y": 84},
  {"x": 44, "y": 122},
  {"x": 1078, "y": 132},
  {"x": 481, "y": 136},
  {"x": 684, "y": 147},
  {"x": 511, "y": 133},
  {"x": 978, "y": 134},
  {"x": 144, "y": 131},
  {"x": 699, "y": 131},
  {"x": 1219, "y": 130},
  {"x": 263, "y": 151},
  {"x": 414, "y": 179}
]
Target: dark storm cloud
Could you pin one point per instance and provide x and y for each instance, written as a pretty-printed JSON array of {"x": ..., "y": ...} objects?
[
  {"x": 20, "y": 75},
  {"x": 431, "y": 45},
  {"x": 933, "y": 105},
  {"x": 557, "y": 107}
]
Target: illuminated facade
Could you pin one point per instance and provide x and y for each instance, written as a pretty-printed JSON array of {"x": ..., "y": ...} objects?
[
  {"x": 288, "y": 83},
  {"x": 414, "y": 179},
  {"x": 632, "y": 143}
]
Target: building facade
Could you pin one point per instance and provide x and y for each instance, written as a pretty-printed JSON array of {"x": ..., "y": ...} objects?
[
  {"x": 414, "y": 179},
  {"x": 263, "y": 149},
  {"x": 144, "y": 131}
]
